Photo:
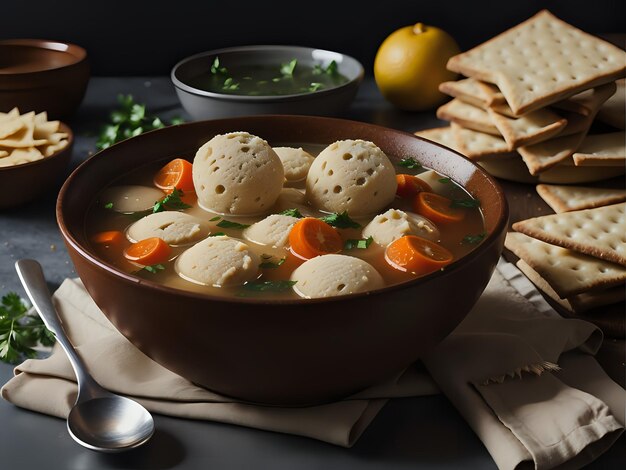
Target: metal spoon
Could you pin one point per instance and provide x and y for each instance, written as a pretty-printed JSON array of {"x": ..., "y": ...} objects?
[{"x": 99, "y": 420}]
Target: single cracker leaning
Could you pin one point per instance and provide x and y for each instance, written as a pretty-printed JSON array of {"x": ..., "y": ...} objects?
[
  {"x": 544, "y": 155},
  {"x": 577, "y": 303},
  {"x": 541, "y": 61},
  {"x": 599, "y": 232},
  {"x": 472, "y": 91},
  {"x": 602, "y": 150},
  {"x": 475, "y": 145},
  {"x": 574, "y": 198},
  {"x": 568, "y": 272},
  {"x": 613, "y": 112},
  {"x": 468, "y": 116},
  {"x": 529, "y": 129}
]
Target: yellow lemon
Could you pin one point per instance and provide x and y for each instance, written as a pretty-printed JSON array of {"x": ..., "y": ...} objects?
[{"x": 411, "y": 63}]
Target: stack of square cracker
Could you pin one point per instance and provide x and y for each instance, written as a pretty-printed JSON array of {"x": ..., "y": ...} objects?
[
  {"x": 531, "y": 95},
  {"x": 577, "y": 257},
  {"x": 29, "y": 137}
]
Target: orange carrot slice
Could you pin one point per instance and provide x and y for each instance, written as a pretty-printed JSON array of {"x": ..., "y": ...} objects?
[
  {"x": 417, "y": 255},
  {"x": 176, "y": 174},
  {"x": 108, "y": 238},
  {"x": 311, "y": 237},
  {"x": 148, "y": 252},
  {"x": 410, "y": 185},
  {"x": 437, "y": 208}
]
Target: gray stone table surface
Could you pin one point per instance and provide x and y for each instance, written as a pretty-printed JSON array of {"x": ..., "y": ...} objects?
[{"x": 421, "y": 432}]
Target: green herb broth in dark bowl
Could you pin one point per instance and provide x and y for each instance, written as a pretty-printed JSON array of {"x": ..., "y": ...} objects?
[{"x": 267, "y": 79}]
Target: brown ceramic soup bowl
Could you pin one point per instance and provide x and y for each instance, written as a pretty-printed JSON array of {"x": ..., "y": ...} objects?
[{"x": 282, "y": 352}]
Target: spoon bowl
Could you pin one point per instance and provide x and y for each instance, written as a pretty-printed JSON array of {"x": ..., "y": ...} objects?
[{"x": 110, "y": 423}]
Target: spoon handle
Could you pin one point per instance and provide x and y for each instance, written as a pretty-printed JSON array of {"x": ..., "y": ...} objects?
[{"x": 34, "y": 283}]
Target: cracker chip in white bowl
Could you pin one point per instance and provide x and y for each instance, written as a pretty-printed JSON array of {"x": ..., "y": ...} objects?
[{"x": 602, "y": 150}]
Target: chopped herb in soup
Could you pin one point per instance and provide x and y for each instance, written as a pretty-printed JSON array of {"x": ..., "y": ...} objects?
[
  {"x": 236, "y": 220},
  {"x": 288, "y": 78}
]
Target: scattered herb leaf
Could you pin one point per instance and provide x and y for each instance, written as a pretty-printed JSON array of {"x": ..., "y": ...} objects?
[
  {"x": 467, "y": 203},
  {"x": 217, "y": 217},
  {"x": 287, "y": 69},
  {"x": 445, "y": 180},
  {"x": 19, "y": 330},
  {"x": 172, "y": 202},
  {"x": 410, "y": 163},
  {"x": 362, "y": 243},
  {"x": 267, "y": 264},
  {"x": 292, "y": 213},
  {"x": 155, "y": 268},
  {"x": 228, "y": 224},
  {"x": 268, "y": 286},
  {"x": 108, "y": 205},
  {"x": 473, "y": 239},
  {"x": 216, "y": 68},
  {"x": 129, "y": 120},
  {"x": 217, "y": 234},
  {"x": 340, "y": 220}
]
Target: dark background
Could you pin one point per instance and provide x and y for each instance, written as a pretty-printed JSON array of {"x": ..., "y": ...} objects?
[{"x": 149, "y": 37}]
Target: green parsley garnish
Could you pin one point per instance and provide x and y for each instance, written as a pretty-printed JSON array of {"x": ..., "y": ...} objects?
[
  {"x": 331, "y": 69},
  {"x": 410, "y": 163},
  {"x": 155, "y": 268},
  {"x": 217, "y": 217},
  {"x": 216, "y": 68},
  {"x": 340, "y": 220},
  {"x": 267, "y": 264},
  {"x": 19, "y": 330},
  {"x": 108, "y": 205},
  {"x": 287, "y": 69},
  {"x": 129, "y": 120},
  {"x": 268, "y": 286},
  {"x": 466, "y": 203},
  {"x": 314, "y": 86},
  {"x": 171, "y": 202},
  {"x": 362, "y": 243},
  {"x": 473, "y": 239},
  {"x": 228, "y": 224},
  {"x": 230, "y": 84},
  {"x": 217, "y": 234},
  {"x": 444, "y": 180},
  {"x": 292, "y": 213}
]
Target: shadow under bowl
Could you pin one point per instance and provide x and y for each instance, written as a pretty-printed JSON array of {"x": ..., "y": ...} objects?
[
  {"x": 203, "y": 104},
  {"x": 282, "y": 352},
  {"x": 42, "y": 75},
  {"x": 26, "y": 182}
]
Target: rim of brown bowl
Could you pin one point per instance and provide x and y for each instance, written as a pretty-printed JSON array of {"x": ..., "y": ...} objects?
[
  {"x": 85, "y": 252},
  {"x": 74, "y": 50}
]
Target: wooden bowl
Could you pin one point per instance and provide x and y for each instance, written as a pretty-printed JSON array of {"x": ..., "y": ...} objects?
[
  {"x": 282, "y": 352},
  {"x": 41, "y": 75},
  {"x": 24, "y": 183}
]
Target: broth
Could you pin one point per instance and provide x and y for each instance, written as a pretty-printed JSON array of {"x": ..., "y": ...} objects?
[
  {"x": 268, "y": 79},
  {"x": 459, "y": 238}
]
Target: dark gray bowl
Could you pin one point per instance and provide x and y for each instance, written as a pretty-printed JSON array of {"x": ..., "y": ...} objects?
[{"x": 201, "y": 104}]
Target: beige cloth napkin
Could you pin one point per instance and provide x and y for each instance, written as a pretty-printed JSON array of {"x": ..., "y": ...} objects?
[{"x": 555, "y": 418}]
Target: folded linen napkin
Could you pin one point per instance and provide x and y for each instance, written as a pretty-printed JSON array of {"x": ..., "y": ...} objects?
[{"x": 510, "y": 330}]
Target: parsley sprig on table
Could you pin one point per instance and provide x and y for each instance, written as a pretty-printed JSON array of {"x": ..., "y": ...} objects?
[
  {"x": 19, "y": 330},
  {"x": 129, "y": 120}
]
